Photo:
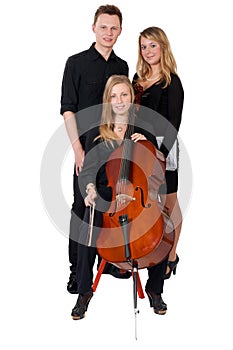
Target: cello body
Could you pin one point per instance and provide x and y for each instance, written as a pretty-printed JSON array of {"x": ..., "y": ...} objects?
[{"x": 139, "y": 232}]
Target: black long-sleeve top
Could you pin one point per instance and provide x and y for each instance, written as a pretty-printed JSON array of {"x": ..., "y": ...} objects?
[{"x": 168, "y": 103}]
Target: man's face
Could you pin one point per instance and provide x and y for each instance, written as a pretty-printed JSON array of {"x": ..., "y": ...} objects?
[{"x": 107, "y": 29}]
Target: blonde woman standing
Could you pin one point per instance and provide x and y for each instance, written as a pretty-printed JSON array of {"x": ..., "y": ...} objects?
[{"x": 158, "y": 87}]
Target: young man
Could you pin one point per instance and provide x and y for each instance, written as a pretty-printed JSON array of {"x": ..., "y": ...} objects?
[{"x": 83, "y": 84}]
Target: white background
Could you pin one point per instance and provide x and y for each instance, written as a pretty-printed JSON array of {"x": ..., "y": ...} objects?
[{"x": 36, "y": 39}]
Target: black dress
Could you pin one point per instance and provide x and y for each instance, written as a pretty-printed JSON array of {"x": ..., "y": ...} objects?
[{"x": 163, "y": 110}]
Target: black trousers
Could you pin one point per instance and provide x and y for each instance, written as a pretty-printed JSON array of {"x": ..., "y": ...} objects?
[
  {"x": 77, "y": 213},
  {"x": 86, "y": 255},
  {"x": 155, "y": 280},
  {"x": 86, "y": 261},
  {"x": 85, "y": 264}
]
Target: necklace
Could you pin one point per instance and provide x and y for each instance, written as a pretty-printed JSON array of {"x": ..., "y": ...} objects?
[
  {"x": 120, "y": 127},
  {"x": 152, "y": 79}
]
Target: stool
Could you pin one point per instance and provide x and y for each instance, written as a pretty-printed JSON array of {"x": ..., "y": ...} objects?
[{"x": 100, "y": 271}]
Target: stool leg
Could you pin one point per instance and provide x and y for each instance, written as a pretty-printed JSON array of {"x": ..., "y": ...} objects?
[
  {"x": 98, "y": 275},
  {"x": 139, "y": 287},
  {"x": 100, "y": 271}
]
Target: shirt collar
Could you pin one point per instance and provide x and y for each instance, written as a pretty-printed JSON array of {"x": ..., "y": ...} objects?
[{"x": 94, "y": 54}]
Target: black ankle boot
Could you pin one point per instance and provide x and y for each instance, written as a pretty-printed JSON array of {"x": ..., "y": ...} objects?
[
  {"x": 157, "y": 302},
  {"x": 81, "y": 305}
]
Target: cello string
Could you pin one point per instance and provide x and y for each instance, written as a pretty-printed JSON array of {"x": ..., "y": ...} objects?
[
  {"x": 126, "y": 153},
  {"x": 128, "y": 146}
]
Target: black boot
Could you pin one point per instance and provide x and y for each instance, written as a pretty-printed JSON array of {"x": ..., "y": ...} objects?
[
  {"x": 78, "y": 312},
  {"x": 157, "y": 302}
]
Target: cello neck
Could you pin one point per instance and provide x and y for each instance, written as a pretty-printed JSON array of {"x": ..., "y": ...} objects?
[
  {"x": 127, "y": 153},
  {"x": 126, "y": 160}
]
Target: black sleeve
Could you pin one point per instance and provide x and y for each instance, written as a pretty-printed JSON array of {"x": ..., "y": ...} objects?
[
  {"x": 93, "y": 170},
  {"x": 175, "y": 102},
  {"x": 69, "y": 91},
  {"x": 175, "y": 106},
  {"x": 91, "y": 163}
]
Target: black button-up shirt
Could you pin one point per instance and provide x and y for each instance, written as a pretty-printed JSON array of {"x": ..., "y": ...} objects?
[{"x": 85, "y": 77}]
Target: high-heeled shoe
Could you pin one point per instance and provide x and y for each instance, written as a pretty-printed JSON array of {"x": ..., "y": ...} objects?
[
  {"x": 156, "y": 302},
  {"x": 78, "y": 312},
  {"x": 172, "y": 267}
]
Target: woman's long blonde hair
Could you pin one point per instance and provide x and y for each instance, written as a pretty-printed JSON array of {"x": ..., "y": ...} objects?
[
  {"x": 107, "y": 118},
  {"x": 168, "y": 63}
]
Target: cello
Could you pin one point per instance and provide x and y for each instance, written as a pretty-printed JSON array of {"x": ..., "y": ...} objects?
[{"x": 138, "y": 233}]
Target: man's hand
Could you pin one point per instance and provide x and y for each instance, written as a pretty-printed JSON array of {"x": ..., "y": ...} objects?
[
  {"x": 79, "y": 158},
  {"x": 71, "y": 127}
]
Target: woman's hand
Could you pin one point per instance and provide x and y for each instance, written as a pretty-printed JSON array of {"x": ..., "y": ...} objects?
[
  {"x": 137, "y": 137},
  {"x": 123, "y": 199},
  {"x": 91, "y": 195}
]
